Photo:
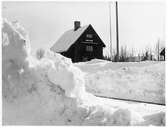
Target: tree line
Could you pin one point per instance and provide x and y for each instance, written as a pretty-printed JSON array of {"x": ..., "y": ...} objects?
[{"x": 125, "y": 55}]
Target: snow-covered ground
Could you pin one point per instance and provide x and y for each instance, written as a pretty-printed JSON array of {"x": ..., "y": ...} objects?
[
  {"x": 51, "y": 91},
  {"x": 143, "y": 81}
]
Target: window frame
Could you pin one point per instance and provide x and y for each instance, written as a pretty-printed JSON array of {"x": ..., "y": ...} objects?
[
  {"x": 90, "y": 36},
  {"x": 89, "y": 48}
]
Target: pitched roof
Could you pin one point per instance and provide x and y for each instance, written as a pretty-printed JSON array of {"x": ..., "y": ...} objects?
[{"x": 67, "y": 39}]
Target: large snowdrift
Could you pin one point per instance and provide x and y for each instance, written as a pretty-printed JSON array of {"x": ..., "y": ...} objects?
[{"x": 51, "y": 91}]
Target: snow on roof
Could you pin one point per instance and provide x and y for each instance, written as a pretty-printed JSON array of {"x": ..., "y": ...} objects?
[{"x": 67, "y": 39}]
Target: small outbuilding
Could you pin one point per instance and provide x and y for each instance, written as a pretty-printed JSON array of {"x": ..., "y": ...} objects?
[
  {"x": 80, "y": 43},
  {"x": 162, "y": 54}
]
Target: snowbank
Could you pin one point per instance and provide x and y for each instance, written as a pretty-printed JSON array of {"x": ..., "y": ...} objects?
[
  {"x": 51, "y": 91},
  {"x": 144, "y": 81}
]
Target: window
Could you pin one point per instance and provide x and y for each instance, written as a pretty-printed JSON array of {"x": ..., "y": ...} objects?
[
  {"x": 89, "y": 40},
  {"x": 89, "y": 48},
  {"x": 89, "y": 36}
]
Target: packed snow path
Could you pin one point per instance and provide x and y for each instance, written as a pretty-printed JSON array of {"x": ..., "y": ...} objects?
[{"x": 51, "y": 91}]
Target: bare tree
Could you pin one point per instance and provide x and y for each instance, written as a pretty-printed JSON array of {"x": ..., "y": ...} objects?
[
  {"x": 157, "y": 49},
  {"x": 114, "y": 55},
  {"x": 123, "y": 54},
  {"x": 147, "y": 55},
  {"x": 132, "y": 53}
]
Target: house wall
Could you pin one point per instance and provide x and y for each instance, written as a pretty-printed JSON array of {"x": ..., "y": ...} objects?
[
  {"x": 70, "y": 53},
  {"x": 81, "y": 54}
]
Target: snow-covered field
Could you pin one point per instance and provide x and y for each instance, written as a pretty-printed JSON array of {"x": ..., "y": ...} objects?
[
  {"x": 143, "y": 81},
  {"x": 51, "y": 91}
]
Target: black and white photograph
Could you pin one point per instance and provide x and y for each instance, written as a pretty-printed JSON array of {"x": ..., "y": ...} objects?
[{"x": 83, "y": 63}]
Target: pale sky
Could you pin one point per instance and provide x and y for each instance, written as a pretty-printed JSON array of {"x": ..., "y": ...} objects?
[{"x": 141, "y": 24}]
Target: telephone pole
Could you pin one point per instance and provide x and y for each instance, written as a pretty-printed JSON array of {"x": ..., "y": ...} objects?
[
  {"x": 158, "y": 49},
  {"x": 110, "y": 29},
  {"x": 117, "y": 32}
]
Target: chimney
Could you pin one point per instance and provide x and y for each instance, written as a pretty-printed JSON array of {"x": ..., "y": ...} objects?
[{"x": 76, "y": 25}]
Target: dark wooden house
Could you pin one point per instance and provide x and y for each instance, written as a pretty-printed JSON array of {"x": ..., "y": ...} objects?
[{"x": 80, "y": 44}]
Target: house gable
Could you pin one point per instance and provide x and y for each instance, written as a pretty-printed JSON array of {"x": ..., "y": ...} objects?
[
  {"x": 89, "y": 36},
  {"x": 87, "y": 46}
]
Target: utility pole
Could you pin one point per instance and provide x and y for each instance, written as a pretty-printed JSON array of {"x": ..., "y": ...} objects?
[
  {"x": 110, "y": 29},
  {"x": 117, "y": 32},
  {"x": 158, "y": 49}
]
